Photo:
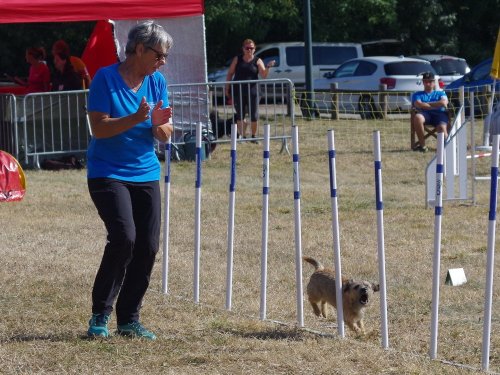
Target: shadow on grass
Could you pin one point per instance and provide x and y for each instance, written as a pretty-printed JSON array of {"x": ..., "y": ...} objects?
[
  {"x": 275, "y": 334},
  {"x": 63, "y": 337}
]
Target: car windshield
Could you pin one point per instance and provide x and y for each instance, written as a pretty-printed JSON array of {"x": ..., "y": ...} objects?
[
  {"x": 449, "y": 66},
  {"x": 407, "y": 68}
]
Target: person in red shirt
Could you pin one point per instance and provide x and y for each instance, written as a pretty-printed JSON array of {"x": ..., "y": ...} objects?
[{"x": 39, "y": 73}]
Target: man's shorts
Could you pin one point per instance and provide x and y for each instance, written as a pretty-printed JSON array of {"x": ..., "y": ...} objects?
[{"x": 435, "y": 117}]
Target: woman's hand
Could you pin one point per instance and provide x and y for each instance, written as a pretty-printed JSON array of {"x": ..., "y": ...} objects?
[
  {"x": 270, "y": 64},
  {"x": 159, "y": 115},
  {"x": 142, "y": 113},
  {"x": 160, "y": 119}
]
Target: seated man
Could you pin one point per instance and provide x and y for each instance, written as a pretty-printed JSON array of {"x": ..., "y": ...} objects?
[{"x": 431, "y": 110}]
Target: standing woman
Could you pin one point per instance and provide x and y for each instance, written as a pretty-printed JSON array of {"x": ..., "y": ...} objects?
[
  {"x": 128, "y": 109},
  {"x": 244, "y": 67},
  {"x": 39, "y": 74}
]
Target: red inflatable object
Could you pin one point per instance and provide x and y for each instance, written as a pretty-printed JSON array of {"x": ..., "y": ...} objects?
[{"x": 12, "y": 181}]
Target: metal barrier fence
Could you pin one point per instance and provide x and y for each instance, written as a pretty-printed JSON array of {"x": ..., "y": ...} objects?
[
  {"x": 380, "y": 104},
  {"x": 354, "y": 123},
  {"x": 207, "y": 103},
  {"x": 40, "y": 125},
  {"x": 8, "y": 132}
]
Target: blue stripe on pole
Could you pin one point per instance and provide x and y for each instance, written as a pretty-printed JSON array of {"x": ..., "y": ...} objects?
[
  {"x": 331, "y": 153},
  {"x": 265, "y": 190},
  {"x": 295, "y": 158},
  {"x": 232, "y": 184},
  {"x": 296, "y": 195},
  {"x": 439, "y": 168},
  {"x": 493, "y": 193},
  {"x": 266, "y": 154},
  {"x": 438, "y": 210},
  {"x": 333, "y": 193},
  {"x": 167, "y": 178},
  {"x": 378, "y": 193},
  {"x": 198, "y": 167}
]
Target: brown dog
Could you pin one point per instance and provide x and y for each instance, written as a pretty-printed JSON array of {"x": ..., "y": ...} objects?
[{"x": 356, "y": 295}]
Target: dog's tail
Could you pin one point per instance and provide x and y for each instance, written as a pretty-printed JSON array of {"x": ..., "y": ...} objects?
[{"x": 317, "y": 265}]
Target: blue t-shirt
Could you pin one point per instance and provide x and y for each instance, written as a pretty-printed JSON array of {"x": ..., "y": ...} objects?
[
  {"x": 128, "y": 156},
  {"x": 426, "y": 97}
]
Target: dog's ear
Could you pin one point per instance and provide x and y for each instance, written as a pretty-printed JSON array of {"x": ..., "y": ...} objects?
[
  {"x": 347, "y": 284},
  {"x": 375, "y": 287}
]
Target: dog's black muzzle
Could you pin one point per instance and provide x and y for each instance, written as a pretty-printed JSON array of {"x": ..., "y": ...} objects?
[{"x": 363, "y": 296}]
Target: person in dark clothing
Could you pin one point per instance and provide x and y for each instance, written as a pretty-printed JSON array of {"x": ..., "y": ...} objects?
[
  {"x": 65, "y": 78},
  {"x": 245, "y": 67}
]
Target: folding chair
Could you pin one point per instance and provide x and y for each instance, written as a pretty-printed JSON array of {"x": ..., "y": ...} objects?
[{"x": 429, "y": 130}]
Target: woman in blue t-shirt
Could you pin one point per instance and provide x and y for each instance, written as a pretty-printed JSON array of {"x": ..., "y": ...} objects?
[{"x": 128, "y": 109}]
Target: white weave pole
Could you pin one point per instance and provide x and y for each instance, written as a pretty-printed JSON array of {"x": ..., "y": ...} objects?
[
  {"x": 490, "y": 262},
  {"x": 336, "y": 232},
  {"x": 197, "y": 216},
  {"x": 380, "y": 238},
  {"x": 438, "y": 210},
  {"x": 265, "y": 221},
  {"x": 230, "y": 220},
  {"x": 298, "y": 225},
  {"x": 166, "y": 217}
]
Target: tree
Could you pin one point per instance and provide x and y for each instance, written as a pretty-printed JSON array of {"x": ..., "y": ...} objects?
[
  {"x": 229, "y": 22},
  {"x": 353, "y": 20}
]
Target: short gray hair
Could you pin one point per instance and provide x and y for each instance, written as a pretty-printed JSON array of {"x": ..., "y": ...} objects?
[{"x": 149, "y": 34}]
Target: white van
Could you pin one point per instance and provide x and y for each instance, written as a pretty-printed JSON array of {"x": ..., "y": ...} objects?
[{"x": 290, "y": 60}]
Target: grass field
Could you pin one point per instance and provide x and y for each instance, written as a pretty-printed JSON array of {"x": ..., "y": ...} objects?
[{"x": 51, "y": 245}]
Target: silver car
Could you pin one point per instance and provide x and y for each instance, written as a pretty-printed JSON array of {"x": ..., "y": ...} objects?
[
  {"x": 359, "y": 82},
  {"x": 449, "y": 68}
]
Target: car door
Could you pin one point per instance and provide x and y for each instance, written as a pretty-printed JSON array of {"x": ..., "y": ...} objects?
[
  {"x": 270, "y": 54},
  {"x": 327, "y": 58},
  {"x": 356, "y": 76}
]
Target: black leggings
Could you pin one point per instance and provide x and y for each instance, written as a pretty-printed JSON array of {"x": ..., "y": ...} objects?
[
  {"x": 246, "y": 102},
  {"x": 131, "y": 213}
]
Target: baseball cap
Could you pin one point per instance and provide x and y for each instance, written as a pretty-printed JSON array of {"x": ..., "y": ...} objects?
[{"x": 428, "y": 75}]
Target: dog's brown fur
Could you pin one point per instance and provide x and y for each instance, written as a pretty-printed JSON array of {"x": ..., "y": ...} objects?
[{"x": 356, "y": 295}]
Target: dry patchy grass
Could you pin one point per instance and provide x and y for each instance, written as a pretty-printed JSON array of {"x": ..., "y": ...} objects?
[{"x": 51, "y": 245}]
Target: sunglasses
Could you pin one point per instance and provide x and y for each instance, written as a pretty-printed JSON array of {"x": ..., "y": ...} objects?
[
  {"x": 159, "y": 56},
  {"x": 249, "y": 48}
]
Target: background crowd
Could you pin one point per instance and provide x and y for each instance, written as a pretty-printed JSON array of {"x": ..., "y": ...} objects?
[{"x": 68, "y": 72}]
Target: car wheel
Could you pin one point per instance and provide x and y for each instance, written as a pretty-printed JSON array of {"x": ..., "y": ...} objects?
[{"x": 367, "y": 109}]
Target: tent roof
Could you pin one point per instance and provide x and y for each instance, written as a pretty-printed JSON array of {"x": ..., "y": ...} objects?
[{"x": 23, "y": 11}]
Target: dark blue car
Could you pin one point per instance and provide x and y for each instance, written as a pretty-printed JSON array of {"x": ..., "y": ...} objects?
[{"x": 477, "y": 80}]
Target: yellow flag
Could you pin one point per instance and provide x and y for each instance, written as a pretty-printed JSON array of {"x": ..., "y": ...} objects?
[{"x": 495, "y": 65}]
